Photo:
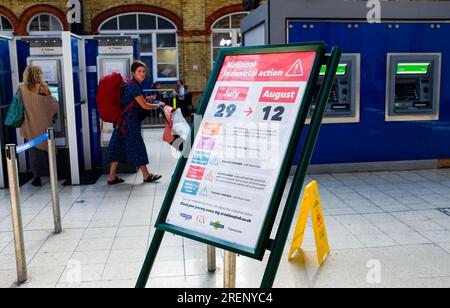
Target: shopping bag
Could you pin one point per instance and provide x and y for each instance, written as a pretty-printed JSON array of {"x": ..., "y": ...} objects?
[
  {"x": 16, "y": 112},
  {"x": 179, "y": 125}
]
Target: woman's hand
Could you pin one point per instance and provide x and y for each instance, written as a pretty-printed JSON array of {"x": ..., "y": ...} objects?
[
  {"x": 44, "y": 90},
  {"x": 150, "y": 99}
]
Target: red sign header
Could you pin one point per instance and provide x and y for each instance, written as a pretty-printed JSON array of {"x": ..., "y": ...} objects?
[
  {"x": 281, "y": 67},
  {"x": 236, "y": 94},
  {"x": 279, "y": 95}
]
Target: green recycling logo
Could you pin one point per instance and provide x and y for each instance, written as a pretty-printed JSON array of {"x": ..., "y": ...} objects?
[{"x": 217, "y": 225}]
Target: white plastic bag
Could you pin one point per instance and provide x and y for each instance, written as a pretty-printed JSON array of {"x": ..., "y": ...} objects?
[{"x": 179, "y": 125}]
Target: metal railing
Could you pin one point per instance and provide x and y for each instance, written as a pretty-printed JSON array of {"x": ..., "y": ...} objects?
[{"x": 14, "y": 188}]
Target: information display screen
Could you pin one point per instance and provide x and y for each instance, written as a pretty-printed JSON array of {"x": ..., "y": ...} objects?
[
  {"x": 54, "y": 90},
  {"x": 341, "y": 71},
  {"x": 412, "y": 68}
]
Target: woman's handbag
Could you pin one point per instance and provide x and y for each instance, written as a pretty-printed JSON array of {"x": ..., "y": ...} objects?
[{"x": 16, "y": 112}]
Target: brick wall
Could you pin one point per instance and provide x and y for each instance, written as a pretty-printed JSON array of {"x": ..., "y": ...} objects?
[{"x": 193, "y": 18}]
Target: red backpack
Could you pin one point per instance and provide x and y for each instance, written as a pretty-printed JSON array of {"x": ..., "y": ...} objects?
[{"x": 109, "y": 99}]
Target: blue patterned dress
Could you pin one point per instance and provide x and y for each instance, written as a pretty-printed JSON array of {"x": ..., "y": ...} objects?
[{"x": 129, "y": 148}]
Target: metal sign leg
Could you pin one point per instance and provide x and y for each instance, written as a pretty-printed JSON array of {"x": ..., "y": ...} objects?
[
  {"x": 229, "y": 276},
  {"x": 211, "y": 259},
  {"x": 150, "y": 259}
]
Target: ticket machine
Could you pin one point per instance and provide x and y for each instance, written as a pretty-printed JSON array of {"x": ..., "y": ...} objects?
[
  {"x": 344, "y": 103},
  {"x": 47, "y": 54},
  {"x": 61, "y": 58},
  {"x": 106, "y": 55},
  {"x": 115, "y": 55},
  {"x": 413, "y": 84}
]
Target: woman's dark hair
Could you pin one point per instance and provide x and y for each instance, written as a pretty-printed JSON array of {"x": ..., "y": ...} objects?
[{"x": 137, "y": 64}]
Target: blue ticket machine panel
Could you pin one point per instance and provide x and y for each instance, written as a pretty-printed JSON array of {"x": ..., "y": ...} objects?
[
  {"x": 344, "y": 103},
  {"x": 413, "y": 84}
]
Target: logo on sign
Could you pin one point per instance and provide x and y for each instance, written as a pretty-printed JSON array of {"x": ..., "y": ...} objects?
[
  {"x": 186, "y": 216},
  {"x": 278, "y": 95},
  {"x": 217, "y": 225},
  {"x": 201, "y": 219}
]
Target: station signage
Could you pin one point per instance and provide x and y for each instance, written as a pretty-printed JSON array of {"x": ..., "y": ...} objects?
[{"x": 226, "y": 188}]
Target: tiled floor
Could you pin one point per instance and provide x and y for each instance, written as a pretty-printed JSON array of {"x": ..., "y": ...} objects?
[{"x": 387, "y": 221}]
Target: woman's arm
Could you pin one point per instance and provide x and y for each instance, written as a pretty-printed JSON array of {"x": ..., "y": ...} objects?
[{"x": 146, "y": 106}]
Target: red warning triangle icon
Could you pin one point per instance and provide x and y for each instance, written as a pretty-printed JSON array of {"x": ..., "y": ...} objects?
[
  {"x": 210, "y": 177},
  {"x": 296, "y": 70}
]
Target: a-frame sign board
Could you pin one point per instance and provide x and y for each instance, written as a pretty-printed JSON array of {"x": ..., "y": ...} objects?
[{"x": 228, "y": 191}]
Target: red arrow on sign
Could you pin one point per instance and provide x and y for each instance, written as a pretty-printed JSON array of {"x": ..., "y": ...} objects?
[{"x": 249, "y": 111}]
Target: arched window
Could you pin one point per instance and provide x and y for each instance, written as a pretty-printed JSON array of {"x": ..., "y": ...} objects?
[
  {"x": 226, "y": 32},
  {"x": 158, "y": 41},
  {"x": 44, "y": 23},
  {"x": 5, "y": 25}
]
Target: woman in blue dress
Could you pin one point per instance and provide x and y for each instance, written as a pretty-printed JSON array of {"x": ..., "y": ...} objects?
[{"x": 127, "y": 145}]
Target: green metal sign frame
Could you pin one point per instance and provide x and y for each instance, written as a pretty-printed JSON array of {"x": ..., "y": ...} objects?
[{"x": 265, "y": 243}]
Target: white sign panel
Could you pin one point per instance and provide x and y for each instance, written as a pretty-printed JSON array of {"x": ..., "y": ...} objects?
[{"x": 230, "y": 177}]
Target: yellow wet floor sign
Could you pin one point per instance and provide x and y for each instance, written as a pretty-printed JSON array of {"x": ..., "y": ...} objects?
[{"x": 311, "y": 203}]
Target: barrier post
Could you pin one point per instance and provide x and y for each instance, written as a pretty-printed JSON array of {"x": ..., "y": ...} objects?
[
  {"x": 13, "y": 178},
  {"x": 229, "y": 269},
  {"x": 211, "y": 259},
  {"x": 54, "y": 179}
]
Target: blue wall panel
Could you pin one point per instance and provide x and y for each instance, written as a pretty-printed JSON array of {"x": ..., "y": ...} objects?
[
  {"x": 374, "y": 139},
  {"x": 8, "y": 134},
  {"x": 77, "y": 97},
  {"x": 91, "y": 52}
]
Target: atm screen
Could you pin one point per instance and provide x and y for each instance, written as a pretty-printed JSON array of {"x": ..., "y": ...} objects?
[
  {"x": 406, "y": 89},
  {"x": 412, "y": 68},
  {"x": 333, "y": 96},
  {"x": 341, "y": 71},
  {"x": 54, "y": 90}
]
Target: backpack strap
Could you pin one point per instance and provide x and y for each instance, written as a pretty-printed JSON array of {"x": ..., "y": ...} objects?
[{"x": 122, "y": 121}]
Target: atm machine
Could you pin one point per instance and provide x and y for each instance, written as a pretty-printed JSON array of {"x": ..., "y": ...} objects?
[
  {"x": 413, "y": 85},
  {"x": 344, "y": 102}
]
